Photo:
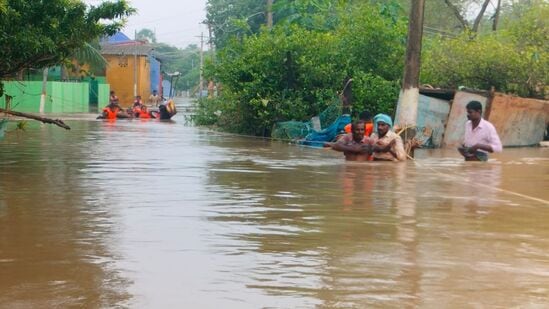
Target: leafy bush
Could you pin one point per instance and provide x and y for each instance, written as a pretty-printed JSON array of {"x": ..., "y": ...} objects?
[
  {"x": 515, "y": 59},
  {"x": 292, "y": 73},
  {"x": 374, "y": 94}
]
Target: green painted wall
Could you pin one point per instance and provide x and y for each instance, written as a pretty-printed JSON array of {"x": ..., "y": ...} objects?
[
  {"x": 62, "y": 97},
  {"x": 26, "y": 96},
  {"x": 104, "y": 93}
]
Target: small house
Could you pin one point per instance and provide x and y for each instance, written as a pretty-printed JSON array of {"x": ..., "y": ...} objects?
[{"x": 132, "y": 70}]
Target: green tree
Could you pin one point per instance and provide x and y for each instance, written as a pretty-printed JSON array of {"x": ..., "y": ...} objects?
[
  {"x": 293, "y": 72},
  {"x": 186, "y": 61},
  {"x": 230, "y": 18},
  {"x": 146, "y": 35},
  {"x": 513, "y": 59},
  {"x": 310, "y": 14},
  {"x": 39, "y": 33}
]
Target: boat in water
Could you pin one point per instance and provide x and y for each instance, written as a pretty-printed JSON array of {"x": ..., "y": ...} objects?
[{"x": 164, "y": 111}]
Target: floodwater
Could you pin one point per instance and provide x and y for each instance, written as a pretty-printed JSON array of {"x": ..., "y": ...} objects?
[{"x": 144, "y": 214}]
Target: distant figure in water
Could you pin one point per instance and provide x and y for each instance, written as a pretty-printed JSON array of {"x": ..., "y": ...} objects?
[
  {"x": 113, "y": 99},
  {"x": 154, "y": 98},
  {"x": 386, "y": 144},
  {"x": 480, "y": 135},
  {"x": 137, "y": 101},
  {"x": 355, "y": 146}
]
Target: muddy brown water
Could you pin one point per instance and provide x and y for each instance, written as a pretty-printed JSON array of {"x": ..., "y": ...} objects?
[{"x": 143, "y": 214}]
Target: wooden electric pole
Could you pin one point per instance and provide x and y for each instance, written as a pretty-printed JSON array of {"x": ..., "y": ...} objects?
[
  {"x": 201, "y": 82},
  {"x": 409, "y": 94},
  {"x": 210, "y": 42}
]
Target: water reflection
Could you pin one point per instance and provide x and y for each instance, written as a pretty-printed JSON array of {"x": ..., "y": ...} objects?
[
  {"x": 163, "y": 215},
  {"x": 340, "y": 235},
  {"x": 52, "y": 242}
]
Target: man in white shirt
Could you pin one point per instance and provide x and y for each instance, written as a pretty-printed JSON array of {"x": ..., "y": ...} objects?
[
  {"x": 154, "y": 99},
  {"x": 480, "y": 135}
]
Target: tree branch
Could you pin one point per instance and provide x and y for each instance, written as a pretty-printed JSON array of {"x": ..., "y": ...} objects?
[
  {"x": 457, "y": 13},
  {"x": 480, "y": 15},
  {"x": 57, "y": 122}
]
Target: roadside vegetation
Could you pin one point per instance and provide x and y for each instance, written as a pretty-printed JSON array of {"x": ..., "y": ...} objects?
[{"x": 294, "y": 68}]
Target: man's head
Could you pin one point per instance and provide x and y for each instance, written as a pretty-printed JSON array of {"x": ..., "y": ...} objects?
[
  {"x": 382, "y": 128},
  {"x": 154, "y": 92},
  {"x": 474, "y": 110},
  {"x": 382, "y": 124},
  {"x": 365, "y": 116},
  {"x": 357, "y": 127}
]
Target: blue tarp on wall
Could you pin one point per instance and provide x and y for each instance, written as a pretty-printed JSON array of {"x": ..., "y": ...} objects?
[
  {"x": 155, "y": 74},
  {"x": 166, "y": 86}
]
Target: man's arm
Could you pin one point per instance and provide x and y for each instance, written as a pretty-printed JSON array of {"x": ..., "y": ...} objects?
[
  {"x": 484, "y": 147},
  {"x": 354, "y": 148},
  {"x": 398, "y": 149},
  {"x": 379, "y": 147},
  {"x": 395, "y": 148}
]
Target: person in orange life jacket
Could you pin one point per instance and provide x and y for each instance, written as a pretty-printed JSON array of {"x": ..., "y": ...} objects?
[
  {"x": 355, "y": 146},
  {"x": 144, "y": 114},
  {"x": 139, "y": 109},
  {"x": 111, "y": 111},
  {"x": 136, "y": 108},
  {"x": 366, "y": 117}
]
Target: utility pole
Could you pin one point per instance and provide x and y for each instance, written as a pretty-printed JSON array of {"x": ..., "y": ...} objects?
[
  {"x": 409, "y": 94},
  {"x": 269, "y": 14},
  {"x": 210, "y": 41},
  {"x": 135, "y": 64},
  {"x": 201, "y": 83}
]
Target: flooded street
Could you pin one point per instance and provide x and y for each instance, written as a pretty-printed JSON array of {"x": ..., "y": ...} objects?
[{"x": 147, "y": 214}]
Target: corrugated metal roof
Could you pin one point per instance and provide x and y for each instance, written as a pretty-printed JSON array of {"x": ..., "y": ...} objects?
[
  {"x": 126, "y": 49},
  {"x": 118, "y": 37}
]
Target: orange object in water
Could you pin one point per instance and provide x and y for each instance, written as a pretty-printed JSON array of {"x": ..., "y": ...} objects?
[
  {"x": 111, "y": 114},
  {"x": 144, "y": 114},
  {"x": 368, "y": 128}
]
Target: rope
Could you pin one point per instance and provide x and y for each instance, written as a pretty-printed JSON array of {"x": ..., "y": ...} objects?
[
  {"x": 542, "y": 201},
  {"x": 473, "y": 184}
]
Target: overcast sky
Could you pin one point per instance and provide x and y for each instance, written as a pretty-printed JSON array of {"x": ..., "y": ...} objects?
[{"x": 176, "y": 22}]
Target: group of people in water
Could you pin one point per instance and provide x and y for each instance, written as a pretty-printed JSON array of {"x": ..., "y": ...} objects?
[
  {"x": 368, "y": 139},
  {"x": 138, "y": 109}
]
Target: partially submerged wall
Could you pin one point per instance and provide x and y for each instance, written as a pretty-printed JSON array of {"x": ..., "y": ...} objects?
[
  {"x": 518, "y": 121},
  {"x": 431, "y": 120}
]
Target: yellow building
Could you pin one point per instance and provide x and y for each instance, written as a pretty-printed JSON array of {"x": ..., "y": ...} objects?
[{"x": 129, "y": 70}]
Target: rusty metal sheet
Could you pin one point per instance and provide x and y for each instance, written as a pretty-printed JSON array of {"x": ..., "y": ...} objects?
[{"x": 519, "y": 121}]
